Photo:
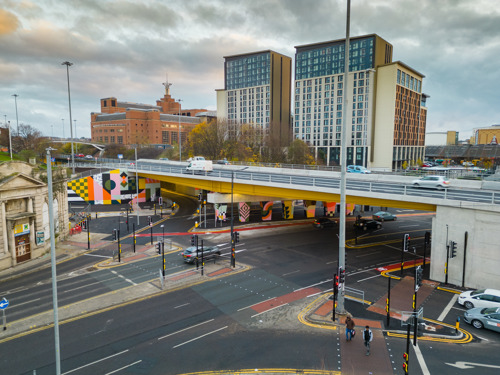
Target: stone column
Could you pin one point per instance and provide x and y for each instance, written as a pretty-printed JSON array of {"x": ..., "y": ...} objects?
[{"x": 5, "y": 236}]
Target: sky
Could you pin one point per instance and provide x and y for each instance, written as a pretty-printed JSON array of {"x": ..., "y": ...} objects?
[{"x": 127, "y": 49}]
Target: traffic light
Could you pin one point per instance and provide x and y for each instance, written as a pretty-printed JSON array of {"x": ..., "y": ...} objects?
[
  {"x": 405, "y": 363},
  {"x": 341, "y": 275},
  {"x": 115, "y": 232},
  {"x": 236, "y": 237},
  {"x": 335, "y": 285},
  {"x": 419, "y": 275},
  {"x": 193, "y": 240},
  {"x": 150, "y": 221},
  {"x": 200, "y": 197},
  {"x": 158, "y": 247},
  {"x": 427, "y": 238},
  {"x": 406, "y": 243},
  {"x": 453, "y": 248}
]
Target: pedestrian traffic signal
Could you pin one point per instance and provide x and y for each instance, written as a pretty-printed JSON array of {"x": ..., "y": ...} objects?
[
  {"x": 406, "y": 242},
  {"x": 341, "y": 275},
  {"x": 419, "y": 275},
  {"x": 427, "y": 238},
  {"x": 150, "y": 221},
  {"x": 236, "y": 237},
  {"x": 193, "y": 240},
  {"x": 115, "y": 232},
  {"x": 405, "y": 363},
  {"x": 453, "y": 248}
]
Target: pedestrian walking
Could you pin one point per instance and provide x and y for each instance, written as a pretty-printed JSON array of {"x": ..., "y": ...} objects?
[
  {"x": 349, "y": 328},
  {"x": 367, "y": 337}
]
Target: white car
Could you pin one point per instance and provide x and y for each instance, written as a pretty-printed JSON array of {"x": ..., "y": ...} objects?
[
  {"x": 432, "y": 182},
  {"x": 480, "y": 298}
]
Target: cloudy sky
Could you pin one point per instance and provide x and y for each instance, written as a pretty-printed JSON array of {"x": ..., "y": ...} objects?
[{"x": 126, "y": 48}]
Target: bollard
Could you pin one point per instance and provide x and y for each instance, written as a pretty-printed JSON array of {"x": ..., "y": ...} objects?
[
  {"x": 196, "y": 224},
  {"x": 457, "y": 324}
]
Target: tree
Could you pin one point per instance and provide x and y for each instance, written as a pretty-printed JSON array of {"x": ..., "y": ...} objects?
[
  {"x": 208, "y": 139},
  {"x": 299, "y": 153}
]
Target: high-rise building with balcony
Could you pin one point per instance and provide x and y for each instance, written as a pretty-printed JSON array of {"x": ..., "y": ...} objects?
[
  {"x": 386, "y": 112},
  {"x": 257, "y": 89}
]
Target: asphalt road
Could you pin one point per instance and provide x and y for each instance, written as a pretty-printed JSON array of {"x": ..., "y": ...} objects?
[{"x": 247, "y": 320}]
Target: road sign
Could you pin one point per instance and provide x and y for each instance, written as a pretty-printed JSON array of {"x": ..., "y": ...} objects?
[{"x": 4, "y": 304}]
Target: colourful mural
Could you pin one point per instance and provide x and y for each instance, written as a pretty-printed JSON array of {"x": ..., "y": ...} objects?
[
  {"x": 267, "y": 210},
  {"x": 244, "y": 211},
  {"x": 220, "y": 212},
  {"x": 287, "y": 210},
  {"x": 113, "y": 187},
  {"x": 329, "y": 208},
  {"x": 310, "y": 207}
]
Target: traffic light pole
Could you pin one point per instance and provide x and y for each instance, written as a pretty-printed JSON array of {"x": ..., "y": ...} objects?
[
  {"x": 403, "y": 257},
  {"x": 388, "y": 301},
  {"x": 415, "y": 320},
  {"x": 163, "y": 256},
  {"x": 88, "y": 232},
  {"x": 133, "y": 228}
]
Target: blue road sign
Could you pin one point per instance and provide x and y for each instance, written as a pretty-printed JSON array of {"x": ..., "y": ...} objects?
[{"x": 4, "y": 303}]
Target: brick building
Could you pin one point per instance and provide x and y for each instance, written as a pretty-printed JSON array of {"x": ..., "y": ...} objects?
[{"x": 135, "y": 123}]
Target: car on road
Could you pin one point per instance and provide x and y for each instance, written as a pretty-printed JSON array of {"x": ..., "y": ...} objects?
[
  {"x": 89, "y": 157},
  {"x": 484, "y": 318},
  {"x": 431, "y": 182},
  {"x": 480, "y": 298},
  {"x": 324, "y": 222},
  {"x": 384, "y": 216},
  {"x": 189, "y": 254},
  {"x": 79, "y": 156},
  {"x": 365, "y": 224},
  {"x": 357, "y": 169},
  {"x": 223, "y": 162}
]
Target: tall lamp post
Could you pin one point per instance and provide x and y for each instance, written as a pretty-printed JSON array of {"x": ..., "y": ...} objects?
[
  {"x": 64, "y": 136},
  {"x": 53, "y": 262},
  {"x": 76, "y": 137},
  {"x": 136, "y": 188},
  {"x": 343, "y": 161},
  {"x": 10, "y": 141},
  {"x": 68, "y": 64},
  {"x": 17, "y": 118},
  {"x": 179, "y": 140}
]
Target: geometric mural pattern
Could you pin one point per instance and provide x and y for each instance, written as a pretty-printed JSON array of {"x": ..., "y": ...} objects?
[
  {"x": 244, "y": 211},
  {"x": 267, "y": 210},
  {"x": 113, "y": 187}
]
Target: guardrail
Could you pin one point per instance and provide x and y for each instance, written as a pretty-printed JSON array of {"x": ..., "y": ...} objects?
[{"x": 471, "y": 195}]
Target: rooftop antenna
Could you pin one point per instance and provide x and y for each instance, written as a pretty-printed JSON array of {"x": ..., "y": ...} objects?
[{"x": 167, "y": 85}]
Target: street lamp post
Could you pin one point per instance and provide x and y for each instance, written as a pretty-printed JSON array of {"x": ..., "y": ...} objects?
[
  {"x": 179, "y": 140},
  {"x": 64, "y": 136},
  {"x": 76, "y": 137},
  {"x": 137, "y": 187},
  {"x": 68, "y": 64},
  {"x": 17, "y": 118},
  {"x": 53, "y": 262},
  {"x": 10, "y": 141}
]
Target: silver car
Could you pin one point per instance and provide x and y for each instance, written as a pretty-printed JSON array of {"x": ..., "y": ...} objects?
[
  {"x": 189, "y": 254},
  {"x": 484, "y": 318},
  {"x": 432, "y": 182}
]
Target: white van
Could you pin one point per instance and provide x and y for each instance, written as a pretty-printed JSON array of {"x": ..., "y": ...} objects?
[{"x": 200, "y": 165}]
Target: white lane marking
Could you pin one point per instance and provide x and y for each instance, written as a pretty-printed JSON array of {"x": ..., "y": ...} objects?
[
  {"x": 421, "y": 361},
  {"x": 24, "y": 303},
  {"x": 408, "y": 226},
  {"x": 244, "y": 308},
  {"x": 253, "y": 316},
  {"x": 367, "y": 255},
  {"x": 93, "y": 363},
  {"x": 185, "y": 329},
  {"x": 124, "y": 367},
  {"x": 368, "y": 278},
  {"x": 123, "y": 277},
  {"x": 447, "y": 308},
  {"x": 176, "y": 307},
  {"x": 99, "y": 256},
  {"x": 289, "y": 273},
  {"x": 199, "y": 337},
  {"x": 310, "y": 286}
]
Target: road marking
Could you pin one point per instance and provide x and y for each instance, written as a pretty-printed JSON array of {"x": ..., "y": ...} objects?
[
  {"x": 258, "y": 303},
  {"x": 421, "y": 360},
  {"x": 289, "y": 273},
  {"x": 124, "y": 367},
  {"x": 408, "y": 226},
  {"x": 123, "y": 277},
  {"x": 97, "y": 255},
  {"x": 253, "y": 316},
  {"x": 467, "y": 365},
  {"x": 371, "y": 277},
  {"x": 367, "y": 255},
  {"x": 176, "y": 307},
  {"x": 185, "y": 329},
  {"x": 93, "y": 363},
  {"x": 199, "y": 337},
  {"x": 448, "y": 307},
  {"x": 310, "y": 286}
]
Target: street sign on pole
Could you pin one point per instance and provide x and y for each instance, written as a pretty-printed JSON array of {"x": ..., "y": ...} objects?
[{"x": 4, "y": 303}]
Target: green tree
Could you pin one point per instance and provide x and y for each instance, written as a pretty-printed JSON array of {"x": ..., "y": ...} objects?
[
  {"x": 299, "y": 153},
  {"x": 208, "y": 140}
]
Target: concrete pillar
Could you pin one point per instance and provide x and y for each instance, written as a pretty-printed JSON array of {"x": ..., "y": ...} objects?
[{"x": 5, "y": 236}]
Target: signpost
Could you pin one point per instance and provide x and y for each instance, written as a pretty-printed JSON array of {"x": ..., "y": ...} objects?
[{"x": 4, "y": 303}]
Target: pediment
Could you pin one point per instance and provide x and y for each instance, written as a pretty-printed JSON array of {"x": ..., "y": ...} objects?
[{"x": 20, "y": 181}]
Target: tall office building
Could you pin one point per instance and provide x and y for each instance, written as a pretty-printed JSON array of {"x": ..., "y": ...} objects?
[
  {"x": 257, "y": 89},
  {"x": 386, "y": 112}
]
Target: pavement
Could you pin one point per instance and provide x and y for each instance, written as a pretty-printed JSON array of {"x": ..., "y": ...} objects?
[{"x": 319, "y": 313}]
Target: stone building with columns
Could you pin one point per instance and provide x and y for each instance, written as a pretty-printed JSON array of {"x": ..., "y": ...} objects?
[{"x": 24, "y": 213}]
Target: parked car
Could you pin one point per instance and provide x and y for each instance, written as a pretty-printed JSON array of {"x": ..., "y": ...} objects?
[
  {"x": 223, "y": 162},
  {"x": 323, "y": 222},
  {"x": 89, "y": 157},
  {"x": 357, "y": 169},
  {"x": 480, "y": 298},
  {"x": 484, "y": 318},
  {"x": 365, "y": 224},
  {"x": 384, "y": 216},
  {"x": 164, "y": 159},
  {"x": 79, "y": 156},
  {"x": 189, "y": 254},
  {"x": 431, "y": 182}
]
